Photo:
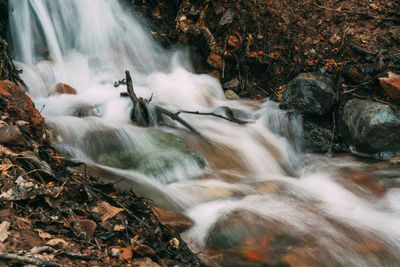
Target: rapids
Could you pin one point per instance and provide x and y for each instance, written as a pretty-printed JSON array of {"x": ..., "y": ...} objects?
[{"x": 254, "y": 194}]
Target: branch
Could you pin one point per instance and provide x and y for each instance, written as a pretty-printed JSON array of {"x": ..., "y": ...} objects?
[
  {"x": 29, "y": 260},
  {"x": 175, "y": 116},
  {"x": 215, "y": 115}
]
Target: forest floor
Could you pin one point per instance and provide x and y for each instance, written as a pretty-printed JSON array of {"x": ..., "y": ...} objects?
[{"x": 256, "y": 47}]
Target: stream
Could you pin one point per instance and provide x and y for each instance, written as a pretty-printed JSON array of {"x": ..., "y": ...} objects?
[{"x": 256, "y": 200}]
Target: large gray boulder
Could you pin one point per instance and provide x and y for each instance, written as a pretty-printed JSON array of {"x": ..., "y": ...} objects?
[
  {"x": 370, "y": 126},
  {"x": 309, "y": 93}
]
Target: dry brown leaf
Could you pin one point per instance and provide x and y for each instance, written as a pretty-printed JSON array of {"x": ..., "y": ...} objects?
[
  {"x": 4, "y": 230},
  {"x": 106, "y": 210},
  {"x": 58, "y": 243},
  {"x": 43, "y": 235}
]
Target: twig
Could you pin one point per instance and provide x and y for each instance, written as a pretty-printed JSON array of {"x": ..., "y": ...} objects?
[
  {"x": 29, "y": 260},
  {"x": 213, "y": 114}
]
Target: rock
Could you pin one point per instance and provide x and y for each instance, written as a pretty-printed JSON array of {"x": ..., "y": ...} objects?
[
  {"x": 353, "y": 74},
  {"x": 126, "y": 255},
  {"x": 391, "y": 86},
  {"x": 165, "y": 153},
  {"x": 62, "y": 88},
  {"x": 317, "y": 136},
  {"x": 226, "y": 19},
  {"x": 11, "y": 135},
  {"x": 234, "y": 228},
  {"x": 145, "y": 262},
  {"x": 232, "y": 84},
  {"x": 369, "y": 126},
  {"x": 309, "y": 93},
  {"x": 231, "y": 95},
  {"x": 178, "y": 222},
  {"x": 215, "y": 61},
  {"x": 19, "y": 105}
]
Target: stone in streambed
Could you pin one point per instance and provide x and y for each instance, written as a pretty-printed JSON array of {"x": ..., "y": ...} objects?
[
  {"x": 231, "y": 95},
  {"x": 62, "y": 88},
  {"x": 159, "y": 153},
  {"x": 370, "y": 126},
  {"x": 309, "y": 93},
  {"x": 391, "y": 86},
  {"x": 177, "y": 222}
]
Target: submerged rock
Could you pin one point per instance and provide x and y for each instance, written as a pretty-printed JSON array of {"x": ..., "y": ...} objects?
[
  {"x": 309, "y": 93},
  {"x": 162, "y": 153},
  {"x": 369, "y": 126}
]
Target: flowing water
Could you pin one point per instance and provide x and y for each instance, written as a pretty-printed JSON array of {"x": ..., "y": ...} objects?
[{"x": 254, "y": 198}]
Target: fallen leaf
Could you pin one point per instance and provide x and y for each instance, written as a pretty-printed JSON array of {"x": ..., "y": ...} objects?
[
  {"x": 58, "y": 243},
  {"x": 4, "y": 230},
  {"x": 106, "y": 210},
  {"x": 43, "y": 235}
]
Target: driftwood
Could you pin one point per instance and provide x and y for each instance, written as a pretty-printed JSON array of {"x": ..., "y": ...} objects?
[{"x": 141, "y": 115}]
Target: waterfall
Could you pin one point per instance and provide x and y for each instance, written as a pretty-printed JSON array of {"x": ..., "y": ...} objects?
[{"x": 254, "y": 167}]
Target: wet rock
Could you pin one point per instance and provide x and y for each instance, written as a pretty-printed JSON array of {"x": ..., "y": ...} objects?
[
  {"x": 163, "y": 153},
  {"x": 391, "y": 86},
  {"x": 232, "y": 84},
  {"x": 353, "y": 74},
  {"x": 233, "y": 229},
  {"x": 317, "y": 135},
  {"x": 370, "y": 127},
  {"x": 309, "y": 93},
  {"x": 62, "y": 88},
  {"x": 231, "y": 95},
  {"x": 178, "y": 222},
  {"x": 11, "y": 135},
  {"x": 19, "y": 105}
]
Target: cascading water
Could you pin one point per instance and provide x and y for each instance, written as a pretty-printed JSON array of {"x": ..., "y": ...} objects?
[{"x": 241, "y": 195}]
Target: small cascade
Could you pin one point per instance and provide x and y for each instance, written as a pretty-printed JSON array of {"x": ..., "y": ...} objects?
[{"x": 253, "y": 190}]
